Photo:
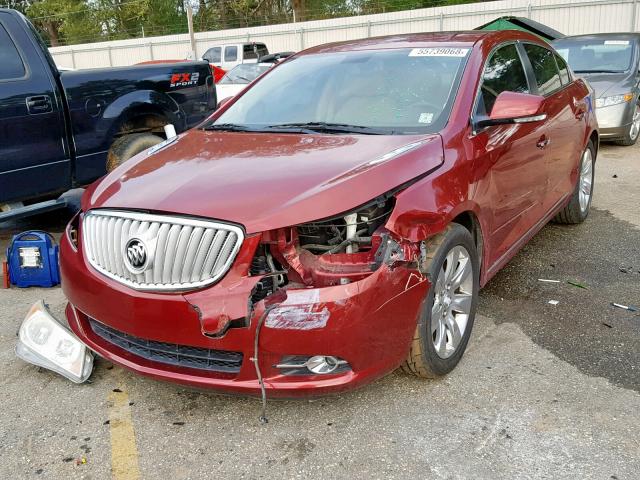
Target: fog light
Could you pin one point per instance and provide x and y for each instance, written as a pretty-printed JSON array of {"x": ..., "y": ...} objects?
[
  {"x": 315, "y": 365},
  {"x": 44, "y": 342},
  {"x": 322, "y": 364}
]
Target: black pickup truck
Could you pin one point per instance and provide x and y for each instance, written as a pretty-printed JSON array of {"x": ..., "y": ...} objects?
[{"x": 60, "y": 130}]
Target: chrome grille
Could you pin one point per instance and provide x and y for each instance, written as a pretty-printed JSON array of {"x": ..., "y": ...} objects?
[{"x": 180, "y": 253}]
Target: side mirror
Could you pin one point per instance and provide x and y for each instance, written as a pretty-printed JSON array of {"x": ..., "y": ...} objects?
[
  {"x": 512, "y": 107},
  {"x": 223, "y": 101}
]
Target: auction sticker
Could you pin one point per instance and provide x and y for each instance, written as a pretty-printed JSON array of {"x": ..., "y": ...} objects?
[
  {"x": 616, "y": 42},
  {"x": 439, "y": 52}
]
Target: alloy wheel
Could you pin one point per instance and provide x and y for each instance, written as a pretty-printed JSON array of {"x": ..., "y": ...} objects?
[
  {"x": 453, "y": 295},
  {"x": 586, "y": 180}
]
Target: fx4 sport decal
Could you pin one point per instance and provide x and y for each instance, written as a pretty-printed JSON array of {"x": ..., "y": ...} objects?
[{"x": 184, "y": 79}]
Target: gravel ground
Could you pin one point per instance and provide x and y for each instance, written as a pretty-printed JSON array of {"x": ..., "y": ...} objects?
[{"x": 542, "y": 392}]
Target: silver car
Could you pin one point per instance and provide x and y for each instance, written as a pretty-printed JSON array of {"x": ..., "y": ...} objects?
[{"x": 610, "y": 62}]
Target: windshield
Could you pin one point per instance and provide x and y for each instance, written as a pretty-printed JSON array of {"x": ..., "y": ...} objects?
[
  {"x": 596, "y": 55},
  {"x": 399, "y": 91},
  {"x": 244, "y": 73}
]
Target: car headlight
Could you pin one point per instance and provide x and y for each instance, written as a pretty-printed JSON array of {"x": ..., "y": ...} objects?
[
  {"x": 44, "y": 342},
  {"x": 613, "y": 100}
]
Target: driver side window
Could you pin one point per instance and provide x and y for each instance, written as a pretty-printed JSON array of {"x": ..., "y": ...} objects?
[{"x": 503, "y": 72}]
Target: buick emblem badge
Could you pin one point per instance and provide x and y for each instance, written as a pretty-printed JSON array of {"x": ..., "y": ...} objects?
[{"x": 136, "y": 256}]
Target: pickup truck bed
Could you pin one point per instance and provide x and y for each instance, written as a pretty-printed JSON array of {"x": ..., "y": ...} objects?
[{"x": 56, "y": 129}]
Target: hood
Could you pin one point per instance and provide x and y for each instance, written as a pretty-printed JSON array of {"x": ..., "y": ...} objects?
[
  {"x": 606, "y": 84},
  {"x": 265, "y": 181}
]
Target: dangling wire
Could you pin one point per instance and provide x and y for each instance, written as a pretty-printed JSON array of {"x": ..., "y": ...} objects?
[{"x": 263, "y": 391}]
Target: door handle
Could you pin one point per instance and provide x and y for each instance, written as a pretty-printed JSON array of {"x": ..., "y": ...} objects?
[
  {"x": 543, "y": 141},
  {"x": 39, "y": 104}
]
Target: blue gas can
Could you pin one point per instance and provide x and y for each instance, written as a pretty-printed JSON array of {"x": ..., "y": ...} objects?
[{"x": 33, "y": 260}]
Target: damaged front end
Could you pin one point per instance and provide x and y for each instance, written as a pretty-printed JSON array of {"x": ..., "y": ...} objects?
[
  {"x": 326, "y": 292},
  {"x": 303, "y": 310},
  {"x": 336, "y": 251}
]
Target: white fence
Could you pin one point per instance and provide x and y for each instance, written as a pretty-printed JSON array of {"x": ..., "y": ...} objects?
[{"x": 570, "y": 17}]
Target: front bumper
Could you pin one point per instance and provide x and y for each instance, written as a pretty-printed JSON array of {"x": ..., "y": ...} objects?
[
  {"x": 368, "y": 323},
  {"x": 614, "y": 121}
]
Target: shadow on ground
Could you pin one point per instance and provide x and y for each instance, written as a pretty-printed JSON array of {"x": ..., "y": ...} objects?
[{"x": 603, "y": 254}]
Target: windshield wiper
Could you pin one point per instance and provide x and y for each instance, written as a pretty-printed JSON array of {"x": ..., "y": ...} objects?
[
  {"x": 229, "y": 127},
  {"x": 307, "y": 128},
  {"x": 325, "y": 127}
]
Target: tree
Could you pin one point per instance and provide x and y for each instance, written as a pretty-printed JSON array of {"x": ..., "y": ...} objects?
[{"x": 63, "y": 21}]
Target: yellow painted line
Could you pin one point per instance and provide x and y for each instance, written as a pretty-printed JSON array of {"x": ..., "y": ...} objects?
[{"x": 124, "y": 453}]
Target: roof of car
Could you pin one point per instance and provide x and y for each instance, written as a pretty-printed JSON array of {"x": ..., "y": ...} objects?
[{"x": 413, "y": 40}]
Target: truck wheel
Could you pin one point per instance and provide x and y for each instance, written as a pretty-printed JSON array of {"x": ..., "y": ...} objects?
[
  {"x": 577, "y": 209},
  {"x": 632, "y": 135},
  {"x": 446, "y": 319},
  {"x": 127, "y": 146}
]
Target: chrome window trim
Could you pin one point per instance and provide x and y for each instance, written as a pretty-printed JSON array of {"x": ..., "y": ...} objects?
[
  {"x": 173, "y": 219},
  {"x": 476, "y": 98}
]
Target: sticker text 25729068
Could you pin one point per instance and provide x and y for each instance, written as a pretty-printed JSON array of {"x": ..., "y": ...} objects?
[{"x": 184, "y": 79}]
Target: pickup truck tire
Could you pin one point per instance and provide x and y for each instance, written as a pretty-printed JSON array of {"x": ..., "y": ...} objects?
[{"x": 127, "y": 146}]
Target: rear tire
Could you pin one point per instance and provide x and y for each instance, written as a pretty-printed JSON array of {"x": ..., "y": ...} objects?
[
  {"x": 128, "y": 146},
  {"x": 448, "y": 312},
  {"x": 631, "y": 137},
  {"x": 577, "y": 210}
]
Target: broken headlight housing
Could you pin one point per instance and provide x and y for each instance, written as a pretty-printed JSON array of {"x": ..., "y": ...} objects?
[
  {"x": 351, "y": 232},
  {"x": 72, "y": 231}
]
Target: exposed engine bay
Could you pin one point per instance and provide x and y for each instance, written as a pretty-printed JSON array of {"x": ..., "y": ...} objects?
[
  {"x": 350, "y": 233},
  {"x": 332, "y": 251}
]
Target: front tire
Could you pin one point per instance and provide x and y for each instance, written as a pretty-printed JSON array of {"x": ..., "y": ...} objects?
[
  {"x": 631, "y": 137},
  {"x": 128, "y": 146},
  {"x": 577, "y": 210},
  {"x": 448, "y": 312}
]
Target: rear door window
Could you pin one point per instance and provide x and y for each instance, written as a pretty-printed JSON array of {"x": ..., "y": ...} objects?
[
  {"x": 213, "y": 55},
  {"x": 230, "y": 53},
  {"x": 11, "y": 66},
  {"x": 503, "y": 72},
  {"x": 544, "y": 68}
]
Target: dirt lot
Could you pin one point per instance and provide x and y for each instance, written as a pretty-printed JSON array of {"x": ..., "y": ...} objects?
[{"x": 543, "y": 391}]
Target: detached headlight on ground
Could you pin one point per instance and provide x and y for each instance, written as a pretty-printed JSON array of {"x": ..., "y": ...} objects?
[
  {"x": 613, "y": 100},
  {"x": 44, "y": 342}
]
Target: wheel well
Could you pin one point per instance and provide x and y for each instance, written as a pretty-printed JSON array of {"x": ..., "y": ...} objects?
[
  {"x": 469, "y": 221},
  {"x": 149, "y": 122}
]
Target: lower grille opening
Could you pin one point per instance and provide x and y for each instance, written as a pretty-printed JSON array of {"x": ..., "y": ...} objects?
[{"x": 170, "y": 353}]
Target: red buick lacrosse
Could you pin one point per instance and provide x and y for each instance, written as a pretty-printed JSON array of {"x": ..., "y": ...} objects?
[{"x": 336, "y": 219}]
